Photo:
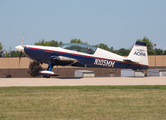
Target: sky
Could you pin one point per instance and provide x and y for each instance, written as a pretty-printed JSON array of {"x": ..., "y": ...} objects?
[{"x": 116, "y": 23}]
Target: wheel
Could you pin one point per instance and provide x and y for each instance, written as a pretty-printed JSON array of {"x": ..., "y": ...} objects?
[{"x": 46, "y": 76}]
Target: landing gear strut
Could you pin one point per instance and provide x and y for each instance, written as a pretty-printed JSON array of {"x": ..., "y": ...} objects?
[
  {"x": 144, "y": 73},
  {"x": 49, "y": 69}
]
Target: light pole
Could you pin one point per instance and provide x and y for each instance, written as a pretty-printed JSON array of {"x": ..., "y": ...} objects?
[{"x": 155, "y": 53}]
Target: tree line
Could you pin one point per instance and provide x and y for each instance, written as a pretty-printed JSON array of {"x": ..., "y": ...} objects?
[{"x": 122, "y": 51}]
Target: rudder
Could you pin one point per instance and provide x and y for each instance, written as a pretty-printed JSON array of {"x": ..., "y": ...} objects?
[{"x": 139, "y": 54}]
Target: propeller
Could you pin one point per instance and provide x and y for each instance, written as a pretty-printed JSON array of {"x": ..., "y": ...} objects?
[
  {"x": 20, "y": 58},
  {"x": 20, "y": 48}
]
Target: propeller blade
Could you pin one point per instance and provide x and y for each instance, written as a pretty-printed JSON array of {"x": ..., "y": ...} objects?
[
  {"x": 21, "y": 49},
  {"x": 19, "y": 58},
  {"x": 22, "y": 40}
]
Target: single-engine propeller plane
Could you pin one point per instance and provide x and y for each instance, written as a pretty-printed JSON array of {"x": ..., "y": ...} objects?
[{"x": 83, "y": 55}]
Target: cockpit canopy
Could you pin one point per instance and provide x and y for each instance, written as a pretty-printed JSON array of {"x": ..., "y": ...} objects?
[{"x": 79, "y": 47}]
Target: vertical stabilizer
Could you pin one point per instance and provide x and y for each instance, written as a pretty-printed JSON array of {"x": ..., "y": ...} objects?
[{"x": 139, "y": 54}]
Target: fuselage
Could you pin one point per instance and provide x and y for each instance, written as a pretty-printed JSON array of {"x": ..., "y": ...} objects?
[{"x": 100, "y": 57}]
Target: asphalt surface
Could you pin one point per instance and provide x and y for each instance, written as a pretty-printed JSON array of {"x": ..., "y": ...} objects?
[{"x": 6, "y": 82}]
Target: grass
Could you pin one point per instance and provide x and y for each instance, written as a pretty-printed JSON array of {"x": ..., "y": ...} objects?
[{"x": 83, "y": 103}]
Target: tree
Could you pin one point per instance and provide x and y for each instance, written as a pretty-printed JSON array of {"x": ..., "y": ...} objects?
[
  {"x": 55, "y": 43},
  {"x": 117, "y": 52},
  {"x": 164, "y": 52},
  {"x": 102, "y": 46},
  {"x": 49, "y": 43},
  {"x": 159, "y": 51},
  {"x": 34, "y": 68},
  {"x": 42, "y": 42},
  {"x": 112, "y": 49},
  {"x": 15, "y": 54},
  {"x": 1, "y": 46},
  {"x": 105, "y": 47},
  {"x": 149, "y": 45},
  {"x": 124, "y": 51},
  {"x": 77, "y": 41}
]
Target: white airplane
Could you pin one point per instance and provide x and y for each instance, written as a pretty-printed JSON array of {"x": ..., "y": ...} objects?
[{"x": 83, "y": 55}]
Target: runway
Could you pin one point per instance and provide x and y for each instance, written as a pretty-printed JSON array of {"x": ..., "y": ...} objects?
[{"x": 7, "y": 82}]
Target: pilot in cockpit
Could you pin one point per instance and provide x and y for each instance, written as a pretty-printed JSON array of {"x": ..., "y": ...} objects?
[{"x": 89, "y": 51}]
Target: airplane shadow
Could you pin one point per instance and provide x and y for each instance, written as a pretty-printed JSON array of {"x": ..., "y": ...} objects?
[{"x": 68, "y": 77}]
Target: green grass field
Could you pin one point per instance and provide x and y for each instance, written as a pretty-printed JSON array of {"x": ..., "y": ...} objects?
[{"x": 83, "y": 103}]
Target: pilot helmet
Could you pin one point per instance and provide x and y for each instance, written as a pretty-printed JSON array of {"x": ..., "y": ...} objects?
[{"x": 88, "y": 48}]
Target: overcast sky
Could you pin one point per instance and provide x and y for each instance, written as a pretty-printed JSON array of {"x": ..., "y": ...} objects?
[{"x": 117, "y": 23}]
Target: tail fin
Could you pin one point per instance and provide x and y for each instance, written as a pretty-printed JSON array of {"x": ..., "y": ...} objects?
[{"x": 138, "y": 54}]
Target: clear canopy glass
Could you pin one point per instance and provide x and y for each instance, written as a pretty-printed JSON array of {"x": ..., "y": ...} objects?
[{"x": 79, "y": 47}]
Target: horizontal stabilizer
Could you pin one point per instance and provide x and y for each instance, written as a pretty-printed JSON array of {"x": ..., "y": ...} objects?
[
  {"x": 128, "y": 60},
  {"x": 49, "y": 73}
]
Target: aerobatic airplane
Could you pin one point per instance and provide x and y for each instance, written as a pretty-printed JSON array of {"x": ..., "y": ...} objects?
[{"x": 83, "y": 55}]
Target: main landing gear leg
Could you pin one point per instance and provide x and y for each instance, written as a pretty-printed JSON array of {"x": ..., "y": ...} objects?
[{"x": 49, "y": 69}]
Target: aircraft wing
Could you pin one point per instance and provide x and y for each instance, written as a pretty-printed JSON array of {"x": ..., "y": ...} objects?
[{"x": 65, "y": 61}]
